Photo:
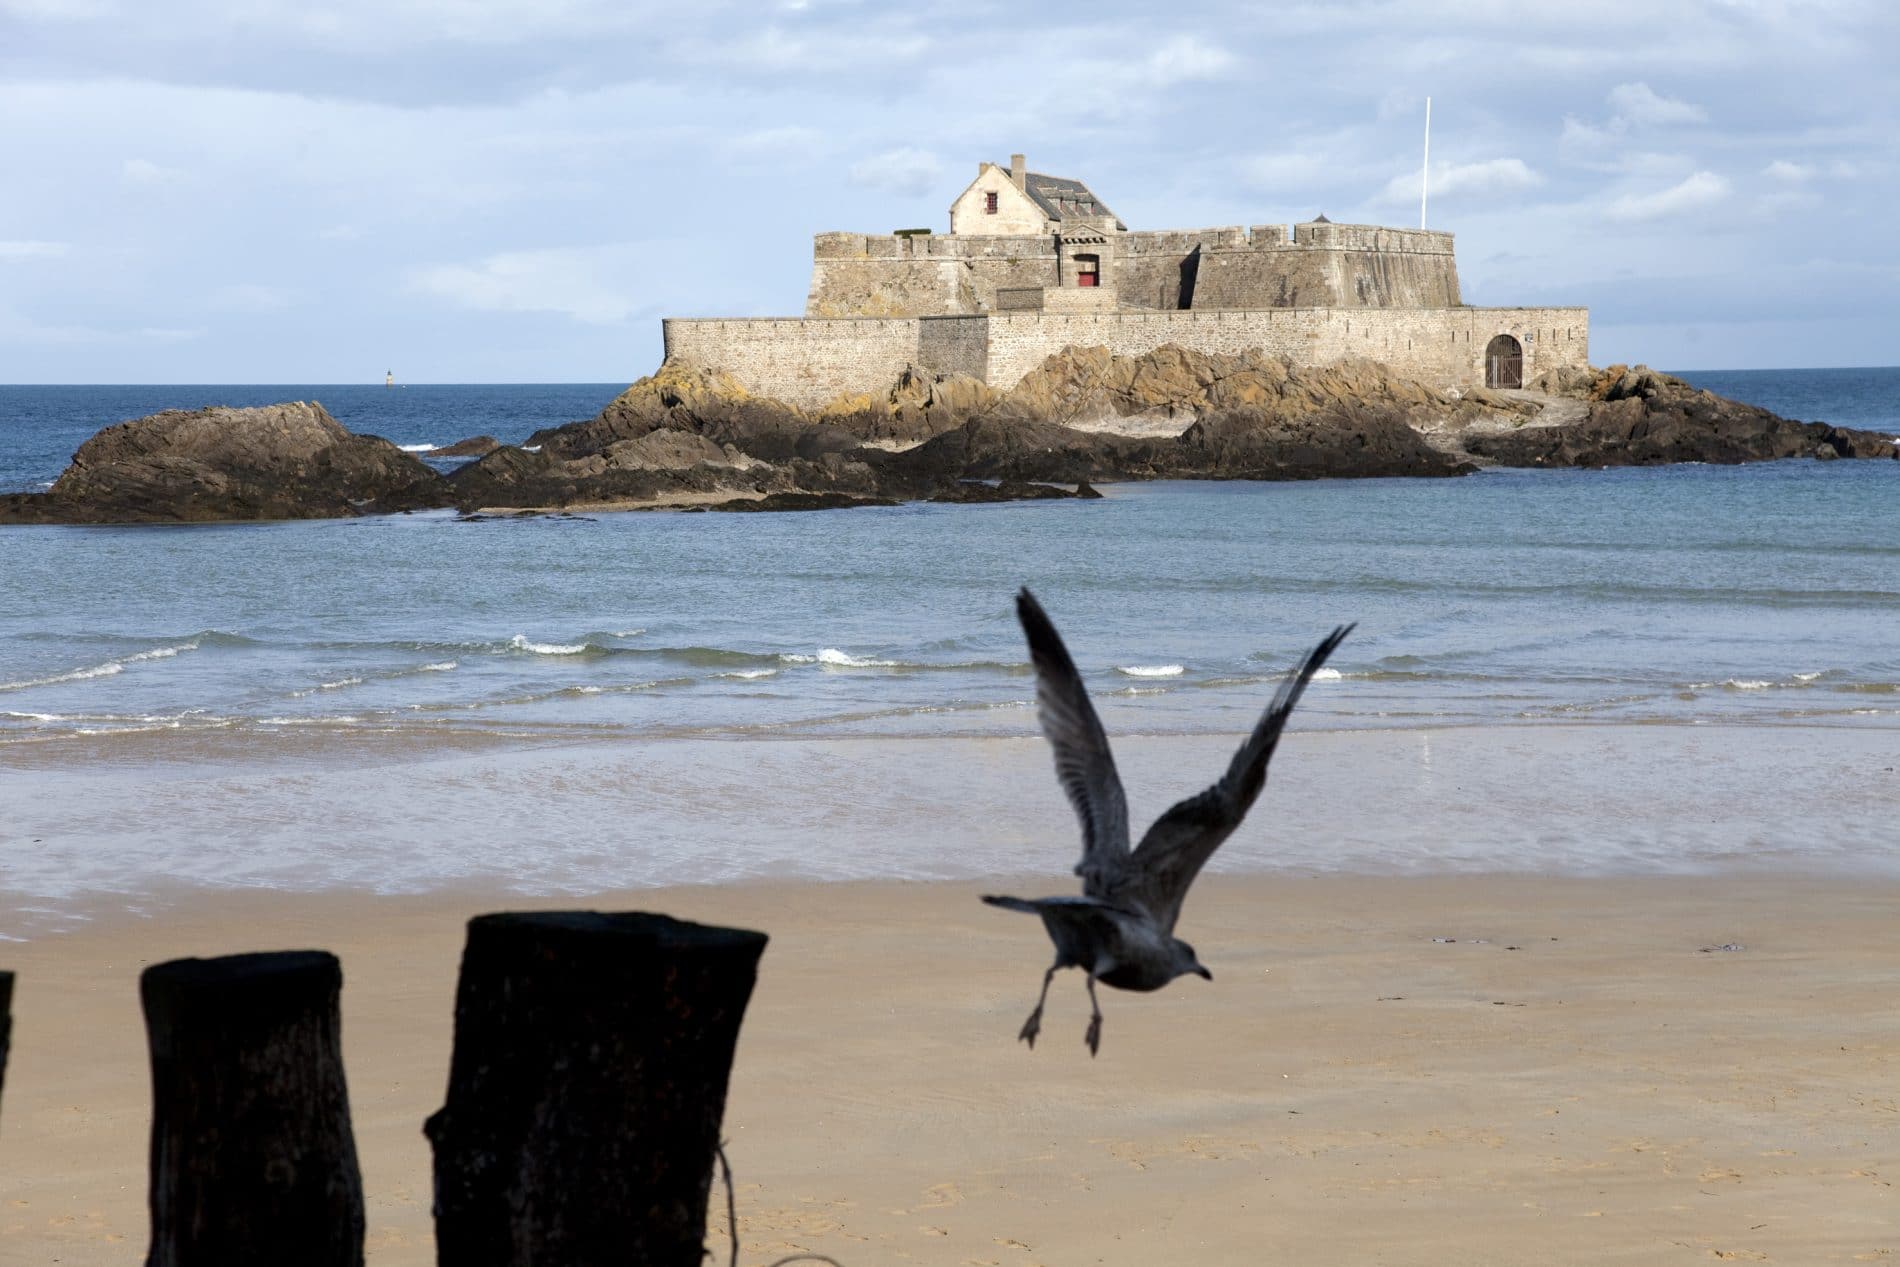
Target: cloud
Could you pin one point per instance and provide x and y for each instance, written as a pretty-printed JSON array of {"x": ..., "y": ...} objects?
[
  {"x": 593, "y": 285},
  {"x": 908, "y": 171},
  {"x": 143, "y": 171},
  {"x": 1793, "y": 173},
  {"x": 1641, "y": 104},
  {"x": 1490, "y": 177},
  {"x": 1186, "y": 58},
  {"x": 19, "y": 251},
  {"x": 1701, "y": 189}
]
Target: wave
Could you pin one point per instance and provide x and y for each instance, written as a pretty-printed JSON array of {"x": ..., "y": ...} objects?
[
  {"x": 418, "y": 448},
  {"x": 110, "y": 668},
  {"x": 343, "y": 683},
  {"x": 1151, "y": 670},
  {"x": 520, "y": 643},
  {"x": 845, "y": 660}
]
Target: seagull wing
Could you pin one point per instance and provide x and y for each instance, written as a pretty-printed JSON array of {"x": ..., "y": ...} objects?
[
  {"x": 1084, "y": 766},
  {"x": 1183, "y": 839}
]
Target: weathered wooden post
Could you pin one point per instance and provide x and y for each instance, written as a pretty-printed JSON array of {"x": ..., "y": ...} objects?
[
  {"x": 253, "y": 1160},
  {"x": 586, "y": 1090},
  {"x": 6, "y": 1023}
]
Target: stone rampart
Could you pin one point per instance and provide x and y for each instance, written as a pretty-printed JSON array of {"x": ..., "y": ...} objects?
[
  {"x": 802, "y": 362},
  {"x": 1319, "y": 265},
  {"x": 810, "y": 362},
  {"x": 1444, "y": 347}
]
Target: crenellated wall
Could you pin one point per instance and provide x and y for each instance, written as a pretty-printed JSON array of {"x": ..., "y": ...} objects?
[
  {"x": 812, "y": 361},
  {"x": 1317, "y": 266}
]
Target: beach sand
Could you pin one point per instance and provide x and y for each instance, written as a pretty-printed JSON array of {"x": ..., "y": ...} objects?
[{"x": 1573, "y": 1075}]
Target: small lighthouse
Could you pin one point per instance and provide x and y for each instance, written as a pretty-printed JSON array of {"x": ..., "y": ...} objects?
[{"x": 389, "y": 378}]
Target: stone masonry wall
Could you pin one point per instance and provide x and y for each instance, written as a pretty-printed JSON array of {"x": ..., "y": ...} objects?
[
  {"x": 810, "y": 362},
  {"x": 1440, "y": 346},
  {"x": 801, "y": 362},
  {"x": 1318, "y": 266},
  {"x": 954, "y": 345}
]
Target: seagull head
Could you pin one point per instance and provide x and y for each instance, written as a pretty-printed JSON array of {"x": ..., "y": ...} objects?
[{"x": 1185, "y": 961}]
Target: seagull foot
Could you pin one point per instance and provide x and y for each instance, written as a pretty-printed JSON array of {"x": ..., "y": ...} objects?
[
  {"x": 1031, "y": 1028},
  {"x": 1094, "y": 1037}
]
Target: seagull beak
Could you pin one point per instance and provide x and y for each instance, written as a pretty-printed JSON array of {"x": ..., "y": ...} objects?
[{"x": 1203, "y": 972}]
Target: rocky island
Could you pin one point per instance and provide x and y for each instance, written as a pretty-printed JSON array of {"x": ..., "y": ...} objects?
[
  {"x": 1037, "y": 349},
  {"x": 689, "y": 438}
]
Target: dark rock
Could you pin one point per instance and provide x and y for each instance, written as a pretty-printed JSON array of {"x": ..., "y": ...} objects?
[
  {"x": 799, "y": 501},
  {"x": 290, "y": 461},
  {"x": 970, "y": 492},
  {"x": 1638, "y": 417},
  {"x": 473, "y": 447}
]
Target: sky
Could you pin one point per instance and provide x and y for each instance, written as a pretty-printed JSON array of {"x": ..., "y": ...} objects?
[{"x": 319, "y": 191}]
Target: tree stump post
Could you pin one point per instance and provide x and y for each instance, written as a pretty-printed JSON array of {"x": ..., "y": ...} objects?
[
  {"x": 6, "y": 1024},
  {"x": 253, "y": 1159},
  {"x": 587, "y": 1088}
]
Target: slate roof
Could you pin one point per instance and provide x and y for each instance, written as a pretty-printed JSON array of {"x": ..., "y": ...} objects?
[{"x": 1063, "y": 199}]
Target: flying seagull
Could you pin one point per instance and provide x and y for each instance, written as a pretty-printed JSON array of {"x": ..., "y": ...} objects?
[{"x": 1121, "y": 930}]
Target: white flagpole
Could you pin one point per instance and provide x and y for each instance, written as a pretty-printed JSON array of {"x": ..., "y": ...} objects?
[{"x": 1425, "y": 175}]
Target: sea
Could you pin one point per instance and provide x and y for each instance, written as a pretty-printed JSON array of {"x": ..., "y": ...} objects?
[{"x": 1764, "y": 597}]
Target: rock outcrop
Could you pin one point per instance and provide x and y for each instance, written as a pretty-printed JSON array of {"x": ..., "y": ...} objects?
[
  {"x": 291, "y": 461},
  {"x": 698, "y": 440},
  {"x": 1084, "y": 415},
  {"x": 1639, "y": 417},
  {"x": 473, "y": 447}
]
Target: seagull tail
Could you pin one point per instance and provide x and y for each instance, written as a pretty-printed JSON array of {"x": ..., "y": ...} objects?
[{"x": 1012, "y": 903}]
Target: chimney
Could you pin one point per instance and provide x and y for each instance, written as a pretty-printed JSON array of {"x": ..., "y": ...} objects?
[{"x": 1019, "y": 172}]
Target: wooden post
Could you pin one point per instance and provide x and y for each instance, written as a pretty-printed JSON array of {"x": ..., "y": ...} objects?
[
  {"x": 6, "y": 1023},
  {"x": 586, "y": 1089},
  {"x": 253, "y": 1160}
]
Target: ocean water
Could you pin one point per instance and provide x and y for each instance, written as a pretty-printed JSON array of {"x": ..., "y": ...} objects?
[{"x": 1765, "y": 597}]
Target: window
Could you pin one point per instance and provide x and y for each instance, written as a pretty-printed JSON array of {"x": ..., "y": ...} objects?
[{"x": 989, "y": 203}]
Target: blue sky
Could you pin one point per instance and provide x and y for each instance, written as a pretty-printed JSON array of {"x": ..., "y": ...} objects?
[{"x": 303, "y": 192}]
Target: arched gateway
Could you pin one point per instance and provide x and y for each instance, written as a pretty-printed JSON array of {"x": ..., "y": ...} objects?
[{"x": 1504, "y": 362}]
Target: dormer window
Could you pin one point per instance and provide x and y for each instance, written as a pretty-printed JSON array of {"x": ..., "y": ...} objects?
[{"x": 989, "y": 203}]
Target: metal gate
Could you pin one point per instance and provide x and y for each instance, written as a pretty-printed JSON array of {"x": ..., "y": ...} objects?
[{"x": 1504, "y": 362}]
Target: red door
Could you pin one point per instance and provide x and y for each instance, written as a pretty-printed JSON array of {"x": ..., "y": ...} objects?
[{"x": 1085, "y": 279}]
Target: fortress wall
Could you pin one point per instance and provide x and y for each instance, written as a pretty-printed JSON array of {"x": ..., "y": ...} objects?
[
  {"x": 860, "y": 275},
  {"x": 1372, "y": 237},
  {"x": 954, "y": 345},
  {"x": 1444, "y": 347},
  {"x": 1226, "y": 268},
  {"x": 810, "y": 362},
  {"x": 865, "y": 287},
  {"x": 801, "y": 362},
  {"x": 1325, "y": 277}
]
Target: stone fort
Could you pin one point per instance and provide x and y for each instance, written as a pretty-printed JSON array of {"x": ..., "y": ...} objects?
[{"x": 1033, "y": 264}]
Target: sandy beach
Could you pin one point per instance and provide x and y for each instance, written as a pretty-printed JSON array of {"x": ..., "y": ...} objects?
[{"x": 1428, "y": 1070}]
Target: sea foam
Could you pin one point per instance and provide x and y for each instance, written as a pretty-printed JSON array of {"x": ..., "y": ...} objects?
[
  {"x": 1152, "y": 670},
  {"x": 520, "y": 643},
  {"x": 108, "y": 669},
  {"x": 845, "y": 660}
]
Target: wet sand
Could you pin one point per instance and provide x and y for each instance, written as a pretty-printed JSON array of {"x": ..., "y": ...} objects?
[
  {"x": 1401, "y": 1071},
  {"x": 140, "y": 819}
]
